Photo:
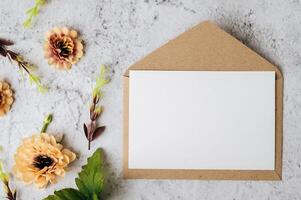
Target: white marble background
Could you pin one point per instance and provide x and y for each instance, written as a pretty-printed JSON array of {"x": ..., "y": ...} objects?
[{"x": 118, "y": 33}]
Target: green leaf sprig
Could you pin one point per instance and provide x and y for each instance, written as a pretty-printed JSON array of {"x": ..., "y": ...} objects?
[
  {"x": 22, "y": 64},
  {"x": 91, "y": 130},
  {"x": 46, "y": 122},
  {"x": 33, "y": 12},
  {"x": 4, "y": 177},
  {"x": 90, "y": 181}
]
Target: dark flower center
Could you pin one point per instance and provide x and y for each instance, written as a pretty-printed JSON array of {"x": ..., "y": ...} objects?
[
  {"x": 42, "y": 161},
  {"x": 1, "y": 98},
  {"x": 64, "y": 47}
]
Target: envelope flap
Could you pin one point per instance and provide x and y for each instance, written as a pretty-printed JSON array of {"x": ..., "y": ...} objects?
[{"x": 205, "y": 47}]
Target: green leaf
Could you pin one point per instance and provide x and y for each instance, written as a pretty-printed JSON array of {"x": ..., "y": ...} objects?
[
  {"x": 95, "y": 197},
  {"x": 40, "y": 2},
  {"x": 66, "y": 194},
  {"x": 52, "y": 197},
  {"x": 89, "y": 182},
  {"x": 4, "y": 177},
  {"x": 46, "y": 122},
  {"x": 27, "y": 23},
  {"x": 101, "y": 81},
  {"x": 37, "y": 81},
  {"x": 98, "y": 109},
  {"x": 91, "y": 179},
  {"x": 29, "y": 11},
  {"x": 33, "y": 12},
  {"x": 31, "y": 67}
]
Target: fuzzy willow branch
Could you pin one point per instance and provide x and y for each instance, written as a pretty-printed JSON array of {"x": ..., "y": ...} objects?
[
  {"x": 22, "y": 64},
  {"x": 4, "y": 177},
  {"x": 91, "y": 130},
  {"x": 33, "y": 12}
]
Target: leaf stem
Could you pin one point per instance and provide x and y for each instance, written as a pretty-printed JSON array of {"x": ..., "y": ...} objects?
[
  {"x": 4, "y": 177},
  {"x": 22, "y": 64},
  {"x": 11, "y": 195},
  {"x": 33, "y": 12},
  {"x": 46, "y": 122},
  {"x": 91, "y": 130}
]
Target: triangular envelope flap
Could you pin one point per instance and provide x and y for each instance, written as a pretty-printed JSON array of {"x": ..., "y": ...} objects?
[{"x": 204, "y": 47}]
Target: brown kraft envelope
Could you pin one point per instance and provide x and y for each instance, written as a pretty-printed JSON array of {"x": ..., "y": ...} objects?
[{"x": 205, "y": 47}]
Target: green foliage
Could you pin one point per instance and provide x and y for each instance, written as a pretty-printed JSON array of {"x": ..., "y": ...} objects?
[
  {"x": 98, "y": 109},
  {"x": 4, "y": 177},
  {"x": 66, "y": 194},
  {"x": 46, "y": 122},
  {"x": 24, "y": 67},
  {"x": 90, "y": 128},
  {"x": 90, "y": 181},
  {"x": 29, "y": 68},
  {"x": 101, "y": 81},
  {"x": 34, "y": 79},
  {"x": 33, "y": 12}
]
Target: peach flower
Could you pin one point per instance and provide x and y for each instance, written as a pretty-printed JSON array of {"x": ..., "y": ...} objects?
[
  {"x": 63, "y": 48},
  {"x": 40, "y": 160}
]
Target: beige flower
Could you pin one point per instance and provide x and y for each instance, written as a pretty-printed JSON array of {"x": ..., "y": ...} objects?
[
  {"x": 40, "y": 159},
  {"x": 63, "y": 48},
  {"x": 6, "y": 98}
]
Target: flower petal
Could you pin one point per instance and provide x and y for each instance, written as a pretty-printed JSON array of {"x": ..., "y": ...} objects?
[{"x": 34, "y": 148}]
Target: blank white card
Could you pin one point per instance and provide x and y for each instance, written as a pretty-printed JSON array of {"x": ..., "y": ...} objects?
[{"x": 202, "y": 120}]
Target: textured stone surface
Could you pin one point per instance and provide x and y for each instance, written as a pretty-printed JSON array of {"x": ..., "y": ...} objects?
[{"x": 118, "y": 33}]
